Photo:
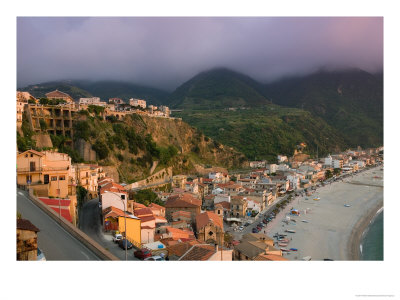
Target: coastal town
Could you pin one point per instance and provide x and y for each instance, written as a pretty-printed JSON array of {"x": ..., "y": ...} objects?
[{"x": 250, "y": 214}]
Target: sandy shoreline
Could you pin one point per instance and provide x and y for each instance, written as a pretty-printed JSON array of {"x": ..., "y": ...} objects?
[
  {"x": 358, "y": 230},
  {"x": 332, "y": 230}
]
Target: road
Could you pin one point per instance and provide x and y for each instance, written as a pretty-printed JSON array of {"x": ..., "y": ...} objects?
[
  {"x": 55, "y": 242},
  {"x": 90, "y": 223}
]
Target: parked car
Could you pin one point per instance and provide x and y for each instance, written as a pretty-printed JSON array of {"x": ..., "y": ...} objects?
[
  {"x": 40, "y": 255},
  {"x": 154, "y": 258},
  {"x": 241, "y": 228},
  {"x": 122, "y": 243},
  {"x": 254, "y": 230},
  {"x": 142, "y": 253},
  {"x": 117, "y": 237}
]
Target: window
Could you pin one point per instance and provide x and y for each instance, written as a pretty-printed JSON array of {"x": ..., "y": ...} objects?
[
  {"x": 31, "y": 155},
  {"x": 210, "y": 233},
  {"x": 53, "y": 178},
  {"x": 219, "y": 211},
  {"x": 62, "y": 177},
  {"x": 123, "y": 197},
  {"x": 28, "y": 179}
]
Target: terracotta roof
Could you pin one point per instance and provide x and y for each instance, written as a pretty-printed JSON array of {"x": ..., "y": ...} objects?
[
  {"x": 250, "y": 249},
  {"x": 225, "y": 205},
  {"x": 270, "y": 257},
  {"x": 181, "y": 213},
  {"x": 178, "y": 233},
  {"x": 138, "y": 205},
  {"x": 143, "y": 212},
  {"x": 204, "y": 218},
  {"x": 32, "y": 151},
  {"x": 57, "y": 93},
  {"x": 160, "y": 219},
  {"x": 182, "y": 200},
  {"x": 209, "y": 197},
  {"x": 113, "y": 187},
  {"x": 24, "y": 224},
  {"x": 154, "y": 205},
  {"x": 178, "y": 248},
  {"x": 112, "y": 211},
  {"x": 198, "y": 252},
  {"x": 147, "y": 218},
  {"x": 207, "y": 180}
]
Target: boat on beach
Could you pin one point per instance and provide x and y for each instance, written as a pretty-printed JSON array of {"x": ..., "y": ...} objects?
[
  {"x": 285, "y": 250},
  {"x": 290, "y": 230},
  {"x": 308, "y": 258},
  {"x": 282, "y": 244},
  {"x": 304, "y": 221}
]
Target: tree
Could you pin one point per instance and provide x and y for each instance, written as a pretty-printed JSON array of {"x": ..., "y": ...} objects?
[
  {"x": 101, "y": 149},
  {"x": 328, "y": 174},
  {"x": 337, "y": 171},
  {"x": 81, "y": 194}
]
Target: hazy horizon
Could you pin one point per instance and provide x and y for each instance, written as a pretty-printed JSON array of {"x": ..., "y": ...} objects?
[{"x": 164, "y": 52}]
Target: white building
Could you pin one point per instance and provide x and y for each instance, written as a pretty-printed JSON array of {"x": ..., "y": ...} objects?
[
  {"x": 294, "y": 181},
  {"x": 137, "y": 102},
  {"x": 113, "y": 199},
  {"x": 92, "y": 101},
  {"x": 336, "y": 163},
  {"x": 282, "y": 158},
  {"x": 328, "y": 160},
  {"x": 221, "y": 198},
  {"x": 272, "y": 168}
]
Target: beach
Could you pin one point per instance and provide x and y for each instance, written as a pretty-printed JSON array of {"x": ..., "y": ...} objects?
[{"x": 332, "y": 230}]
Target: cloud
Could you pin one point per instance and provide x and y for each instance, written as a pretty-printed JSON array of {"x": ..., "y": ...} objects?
[{"x": 165, "y": 52}]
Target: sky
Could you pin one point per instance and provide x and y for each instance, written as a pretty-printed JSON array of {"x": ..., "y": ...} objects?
[{"x": 164, "y": 52}]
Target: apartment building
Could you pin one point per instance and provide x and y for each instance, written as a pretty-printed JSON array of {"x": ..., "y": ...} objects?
[{"x": 137, "y": 102}]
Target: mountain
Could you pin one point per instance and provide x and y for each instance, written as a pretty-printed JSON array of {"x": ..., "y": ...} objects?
[
  {"x": 349, "y": 100},
  {"x": 39, "y": 90},
  {"x": 264, "y": 132},
  {"x": 218, "y": 88},
  {"x": 103, "y": 89}
]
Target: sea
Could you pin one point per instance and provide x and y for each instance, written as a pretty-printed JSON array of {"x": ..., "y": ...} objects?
[{"x": 371, "y": 247}]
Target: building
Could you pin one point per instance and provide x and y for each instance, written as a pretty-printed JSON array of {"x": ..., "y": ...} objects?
[
  {"x": 26, "y": 240},
  {"x": 179, "y": 181},
  {"x": 133, "y": 229},
  {"x": 254, "y": 244},
  {"x": 137, "y": 102},
  {"x": 113, "y": 194},
  {"x": 87, "y": 177},
  {"x": 204, "y": 252},
  {"x": 210, "y": 228},
  {"x": 59, "y": 95},
  {"x": 182, "y": 202},
  {"x": 48, "y": 173},
  {"x": 116, "y": 101},
  {"x": 238, "y": 207},
  {"x": 23, "y": 98},
  {"x": 51, "y": 119},
  {"x": 92, "y": 101}
]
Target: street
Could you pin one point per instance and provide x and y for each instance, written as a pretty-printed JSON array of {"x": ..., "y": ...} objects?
[
  {"x": 90, "y": 223},
  {"x": 54, "y": 241}
]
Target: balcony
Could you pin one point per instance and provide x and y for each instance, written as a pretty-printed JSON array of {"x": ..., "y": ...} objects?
[{"x": 41, "y": 169}]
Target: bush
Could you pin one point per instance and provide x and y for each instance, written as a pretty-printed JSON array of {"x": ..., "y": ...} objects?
[
  {"x": 97, "y": 110},
  {"x": 82, "y": 130},
  {"x": 120, "y": 157},
  {"x": 101, "y": 149}
]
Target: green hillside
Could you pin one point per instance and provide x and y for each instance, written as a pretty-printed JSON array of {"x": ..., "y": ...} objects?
[
  {"x": 218, "y": 88},
  {"x": 351, "y": 101},
  {"x": 264, "y": 132}
]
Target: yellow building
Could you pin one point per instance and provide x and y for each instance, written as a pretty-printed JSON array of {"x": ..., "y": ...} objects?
[
  {"x": 179, "y": 181},
  {"x": 87, "y": 176},
  {"x": 49, "y": 173},
  {"x": 22, "y": 99},
  {"x": 133, "y": 229}
]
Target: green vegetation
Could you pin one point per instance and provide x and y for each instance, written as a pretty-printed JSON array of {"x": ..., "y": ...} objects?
[
  {"x": 264, "y": 132},
  {"x": 81, "y": 194},
  {"x": 216, "y": 89},
  {"x": 97, "y": 110},
  {"x": 147, "y": 197},
  {"x": 328, "y": 174},
  {"x": 101, "y": 149},
  {"x": 45, "y": 101}
]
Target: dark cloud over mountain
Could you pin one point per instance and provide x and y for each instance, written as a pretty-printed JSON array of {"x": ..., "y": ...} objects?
[{"x": 165, "y": 52}]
